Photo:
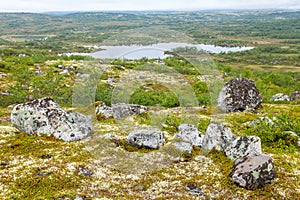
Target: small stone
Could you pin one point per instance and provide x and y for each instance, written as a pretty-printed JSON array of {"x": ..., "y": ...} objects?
[
  {"x": 243, "y": 146},
  {"x": 280, "y": 97},
  {"x": 217, "y": 136},
  {"x": 83, "y": 171},
  {"x": 46, "y": 156},
  {"x": 192, "y": 189},
  {"x": 146, "y": 138},
  {"x": 295, "y": 96},
  {"x": 253, "y": 171}
]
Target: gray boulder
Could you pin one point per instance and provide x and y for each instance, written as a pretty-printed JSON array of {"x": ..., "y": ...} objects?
[
  {"x": 146, "y": 138},
  {"x": 104, "y": 111},
  {"x": 253, "y": 171},
  {"x": 44, "y": 116},
  {"x": 189, "y": 133},
  {"x": 243, "y": 146},
  {"x": 238, "y": 95},
  {"x": 217, "y": 136},
  {"x": 121, "y": 110},
  {"x": 295, "y": 96},
  {"x": 280, "y": 97},
  {"x": 184, "y": 146}
]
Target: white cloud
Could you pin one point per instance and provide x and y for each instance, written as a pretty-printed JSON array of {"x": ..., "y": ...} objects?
[{"x": 71, "y": 5}]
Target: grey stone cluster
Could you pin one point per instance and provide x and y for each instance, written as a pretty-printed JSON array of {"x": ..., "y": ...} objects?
[
  {"x": 251, "y": 168},
  {"x": 238, "y": 95},
  {"x": 44, "y": 116},
  {"x": 120, "y": 110}
]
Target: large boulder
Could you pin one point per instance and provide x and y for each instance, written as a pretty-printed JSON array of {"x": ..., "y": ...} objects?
[
  {"x": 238, "y": 95},
  {"x": 280, "y": 97},
  {"x": 243, "y": 146},
  {"x": 295, "y": 96},
  {"x": 189, "y": 133},
  {"x": 217, "y": 136},
  {"x": 146, "y": 138},
  {"x": 44, "y": 116},
  {"x": 253, "y": 171}
]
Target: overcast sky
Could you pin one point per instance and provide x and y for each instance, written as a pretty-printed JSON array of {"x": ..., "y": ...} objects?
[{"x": 92, "y": 5}]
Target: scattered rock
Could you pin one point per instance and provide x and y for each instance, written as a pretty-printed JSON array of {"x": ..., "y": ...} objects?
[
  {"x": 194, "y": 190},
  {"x": 189, "y": 133},
  {"x": 184, "y": 146},
  {"x": 295, "y": 96},
  {"x": 103, "y": 111},
  {"x": 280, "y": 97},
  {"x": 46, "y": 156},
  {"x": 146, "y": 138},
  {"x": 238, "y": 95},
  {"x": 295, "y": 135},
  {"x": 121, "y": 110},
  {"x": 83, "y": 171},
  {"x": 44, "y": 116},
  {"x": 243, "y": 146},
  {"x": 217, "y": 136},
  {"x": 269, "y": 121},
  {"x": 253, "y": 171}
]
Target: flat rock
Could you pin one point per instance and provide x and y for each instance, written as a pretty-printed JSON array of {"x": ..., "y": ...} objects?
[
  {"x": 44, "y": 116},
  {"x": 238, "y": 95},
  {"x": 146, "y": 138},
  {"x": 217, "y": 136},
  {"x": 243, "y": 146},
  {"x": 189, "y": 133},
  {"x": 253, "y": 171},
  {"x": 280, "y": 97},
  {"x": 121, "y": 110}
]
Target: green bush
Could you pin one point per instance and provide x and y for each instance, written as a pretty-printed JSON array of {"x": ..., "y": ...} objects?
[{"x": 277, "y": 135}]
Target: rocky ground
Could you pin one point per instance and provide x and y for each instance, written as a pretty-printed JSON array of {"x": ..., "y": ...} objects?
[{"x": 98, "y": 167}]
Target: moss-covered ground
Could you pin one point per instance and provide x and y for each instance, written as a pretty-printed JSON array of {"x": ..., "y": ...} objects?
[{"x": 33, "y": 167}]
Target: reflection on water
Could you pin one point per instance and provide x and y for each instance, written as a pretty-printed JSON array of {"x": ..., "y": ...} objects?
[{"x": 156, "y": 50}]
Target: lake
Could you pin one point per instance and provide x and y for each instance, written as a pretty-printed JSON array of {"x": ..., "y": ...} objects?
[{"x": 154, "y": 50}]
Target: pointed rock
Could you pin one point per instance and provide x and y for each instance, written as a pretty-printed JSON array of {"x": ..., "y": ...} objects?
[{"x": 217, "y": 136}]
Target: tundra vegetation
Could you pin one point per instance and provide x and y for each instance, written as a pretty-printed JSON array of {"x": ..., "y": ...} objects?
[{"x": 32, "y": 64}]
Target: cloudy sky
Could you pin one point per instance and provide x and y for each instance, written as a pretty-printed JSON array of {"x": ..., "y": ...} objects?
[{"x": 92, "y": 5}]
